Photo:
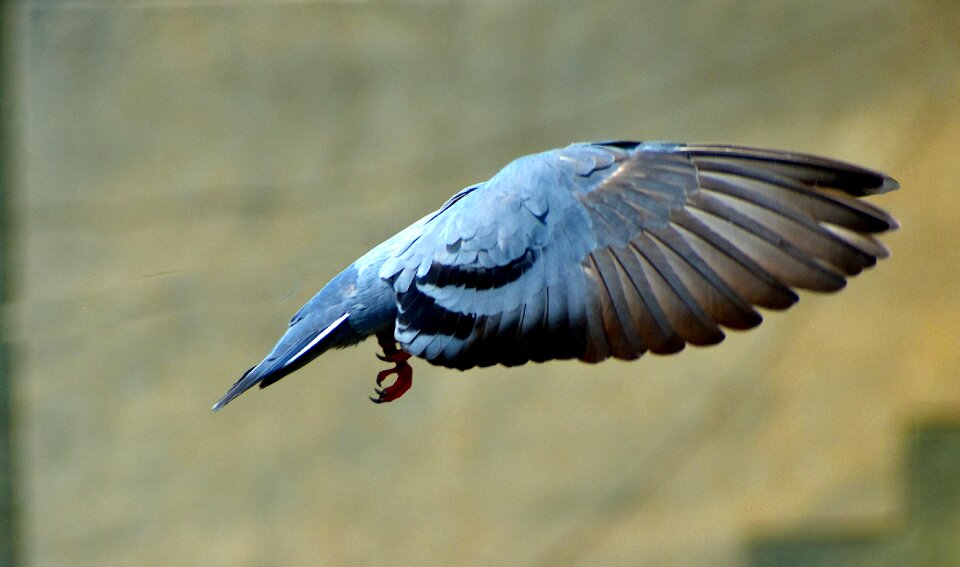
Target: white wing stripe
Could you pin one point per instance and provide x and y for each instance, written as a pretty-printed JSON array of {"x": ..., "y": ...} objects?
[{"x": 317, "y": 339}]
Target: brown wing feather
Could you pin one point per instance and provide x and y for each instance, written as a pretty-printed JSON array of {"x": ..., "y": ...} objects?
[{"x": 695, "y": 237}]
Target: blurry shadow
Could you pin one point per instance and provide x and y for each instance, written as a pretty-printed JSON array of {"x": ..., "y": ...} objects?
[{"x": 930, "y": 534}]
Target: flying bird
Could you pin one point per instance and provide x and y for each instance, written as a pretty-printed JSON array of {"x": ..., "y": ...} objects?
[{"x": 592, "y": 251}]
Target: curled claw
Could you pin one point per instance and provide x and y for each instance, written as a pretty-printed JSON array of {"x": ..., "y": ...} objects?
[
  {"x": 399, "y": 387},
  {"x": 391, "y": 353},
  {"x": 382, "y": 375}
]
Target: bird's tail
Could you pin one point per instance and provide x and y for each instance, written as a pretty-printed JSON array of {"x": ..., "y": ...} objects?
[
  {"x": 248, "y": 380},
  {"x": 298, "y": 346}
]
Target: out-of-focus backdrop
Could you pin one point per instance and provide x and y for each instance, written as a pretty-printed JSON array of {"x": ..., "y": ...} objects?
[{"x": 180, "y": 176}]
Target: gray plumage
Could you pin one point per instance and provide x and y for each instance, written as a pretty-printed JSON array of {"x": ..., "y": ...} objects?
[{"x": 595, "y": 251}]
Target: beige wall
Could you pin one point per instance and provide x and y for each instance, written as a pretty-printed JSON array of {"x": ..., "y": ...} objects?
[{"x": 190, "y": 172}]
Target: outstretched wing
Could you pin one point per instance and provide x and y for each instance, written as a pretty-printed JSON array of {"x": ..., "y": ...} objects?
[{"x": 614, "y": 249}]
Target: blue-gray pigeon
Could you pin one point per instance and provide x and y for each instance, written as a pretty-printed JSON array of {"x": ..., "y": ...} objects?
[{"x": 592, "y": 251}]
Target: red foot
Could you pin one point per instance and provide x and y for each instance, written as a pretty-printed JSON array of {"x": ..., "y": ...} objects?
[
  {"x": 399, "y": 387},
  {"x": 403, "y": 371}
]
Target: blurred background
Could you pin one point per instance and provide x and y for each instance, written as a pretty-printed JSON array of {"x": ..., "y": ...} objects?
[{"x": 179, "y": 176}]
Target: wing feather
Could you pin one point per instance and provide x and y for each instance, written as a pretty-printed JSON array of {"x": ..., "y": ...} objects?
[
  {"x": 712, "y": 293},
  {"x": 618, "y": 325},
  {"x": 776, "y": 255},
  {"x": 651, "y": 321},
  {"x": 617, "y": 248},
  {"x": 684, "y": 313}
]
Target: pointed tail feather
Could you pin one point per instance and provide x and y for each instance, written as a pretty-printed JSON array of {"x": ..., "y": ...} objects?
[
  {"x": 295, "y": 349},
  {"x": 247, "y": 381}
]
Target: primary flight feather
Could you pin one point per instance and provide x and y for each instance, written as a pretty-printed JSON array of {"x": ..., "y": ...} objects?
[{"x": 593, "y": 251}]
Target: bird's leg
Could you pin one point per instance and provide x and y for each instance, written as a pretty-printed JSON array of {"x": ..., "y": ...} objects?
[{"x": 402, "y": 369}]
